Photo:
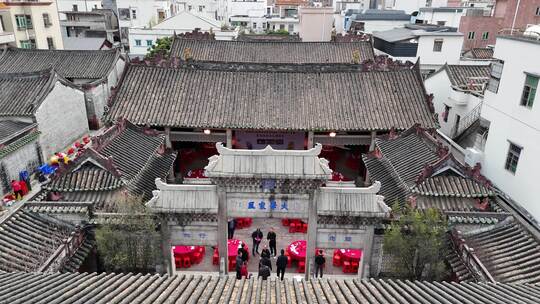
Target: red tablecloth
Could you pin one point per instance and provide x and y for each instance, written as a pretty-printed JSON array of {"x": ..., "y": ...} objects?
[
  {"x": 351, "y": 254},
  {"x": 234, "y": 245},
  {"x": 183, "y": 250},
  {"x": 297, "y": 249}
]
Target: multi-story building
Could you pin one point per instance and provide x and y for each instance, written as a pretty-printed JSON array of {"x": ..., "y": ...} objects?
[
  {"x": 140, "y": 13},
  {"x": 512, "y": 108},
  {"x": 34, "y": 24},
  {"x": 371, "y": 20},
  {"x": 77, "y": 6},
  {"x": 89, "y": 29},
  {"x": 410, "y": 6},
  {"x": 435, "y": 45},
  {"x": 6, "y": 38}
]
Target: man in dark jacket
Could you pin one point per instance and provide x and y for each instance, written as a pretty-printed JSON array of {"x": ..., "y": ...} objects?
[
  {"x": 239, "y": 263},
  {"x": 231, "y": 225},
  {"x": 271, "y": 236},
  {"x": 264, "y": 272},
  {"x": 319, "y": 263},
  {"x": 265, "y": 252},
  {"x": 244, "y": 252},
  {"x": 257, "y": 236},
  {"x": 281, "y": 264},
  {"x": 265, "y": 261}
]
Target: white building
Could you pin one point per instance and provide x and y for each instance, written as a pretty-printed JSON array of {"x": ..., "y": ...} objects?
[
  {"x": 213, "y": 9},
  {"x": 248, "y": 14},
  {"x": 77, "y": 6},
  {"x": 372, "y": 20},
  {"x": 458, "y": 92},
  {"x": 434, "y": 45},
  {"x": 512, "y": 106},
  {"x": 142, "y": 38},
  {"x": 34, "y": 24},
  {"x": 6, "y": 38},
  {"x": 410, "y": 6},
  {"x": 316, "y": 23}
]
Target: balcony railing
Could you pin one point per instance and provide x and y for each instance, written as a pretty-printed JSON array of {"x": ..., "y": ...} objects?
[{"x": 466, "y": 121}]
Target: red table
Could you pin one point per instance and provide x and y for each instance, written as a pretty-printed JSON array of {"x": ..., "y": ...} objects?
[
  {"x": 183, "y": 250},
  {"x": 351, "y": 254},
  {"x": 297, "y": 250},
  {"x": 234, "y": 245},
  {"x": 185, "y": 256}
]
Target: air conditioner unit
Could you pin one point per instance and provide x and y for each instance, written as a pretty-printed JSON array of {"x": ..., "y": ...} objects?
[{"x": 473, "y": 156}]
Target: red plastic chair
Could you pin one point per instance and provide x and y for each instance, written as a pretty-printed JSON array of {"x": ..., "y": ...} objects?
[
  {"x": 215, "y": 258},
  {"x": 197, "y": 257},
  {"x": 178, "y": 262},
  {"x": 232, "y": 264},
  {"x": 292, "y": 227},
  {"x": 301, "y": 267},
  {"x": 355, "y": 265},
  {"x": 336, "y": 260},
  {"x": 186, "y": 262},
  {"x": 285, "y": 222},
  {"x": 201, "y": 250},
  {"x": 304, "y": 227}
]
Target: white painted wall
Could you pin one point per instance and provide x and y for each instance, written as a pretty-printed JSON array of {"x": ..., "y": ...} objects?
[
  {"x": 439, "y": 85},
  {"x": 515, "y": 123},
  {"x": 410, "y": 6},
  {"x": 61, "y": 119},
  {"x": 82, "y": 6},
  {"x": 451, "y": 18},
  {"x": 25, "y": 158},
  {"x": 371, "y": 26},
  {"x": 450, "y": 53},
  {"x": 146, "y": 11},
  {"x": 205, "y": 8}
]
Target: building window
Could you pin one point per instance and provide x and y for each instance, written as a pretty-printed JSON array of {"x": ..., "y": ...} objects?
[
  {"x": 512, "y": 158},
  {"x": 46, "y": 20},
  {"x": 291, "y": 28},
  {"x": 201, "y": 8},
  {"x": 50, "y": 43},
  {"x": 254, "y": 25},
  {"x": 485, "y": 36},
  {"x": 75, "y": 8},
  {"x": 134, "y": 14},
  {"x": 189, "y": 7},
  {"x": 123, "y": 14},
  {"x": 495, "y": 76},
  {"x": 23, "y": 22},
  {"x": 148, "y": 42},
  {"x": 282, "y": 26},
  {"x": 538, "y": 11},
  {"x": 471, "y": 35},
  {"x": 446, "y": 113},
  {"x": 529, "y": 91},
  {"x": 138, "y": 42},
  {"x": 437, "y": 45},
  {"x": 442, "y": 23},
  {"x": 28, "y": 44}
]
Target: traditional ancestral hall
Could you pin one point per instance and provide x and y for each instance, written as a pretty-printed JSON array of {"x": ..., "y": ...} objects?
[{"x": 96, "y": 73}]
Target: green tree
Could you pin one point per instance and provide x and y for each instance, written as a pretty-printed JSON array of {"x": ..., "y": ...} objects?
[
  {"x": 128, "y": 241},
  {"x": 161, "y": 48},
  {"x": 416, "y": 241}
]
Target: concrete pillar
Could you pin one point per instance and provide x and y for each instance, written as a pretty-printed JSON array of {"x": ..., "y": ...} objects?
[
  {"x": 229, "y": 138},
  {"x": 310, "y": 140},
  {"x": 168, "y": 143},
  {"x": 311, "y": 234},
  {"x": 367, "y": 250},
  {"x": 372, "y": 144},
  {"x": 222, "y": 232},
  {"x": 166, "y": 245}
]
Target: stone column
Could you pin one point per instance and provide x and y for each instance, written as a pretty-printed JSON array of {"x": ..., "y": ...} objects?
[
  {"x": 372, "y": 144},
  {"x": 310, "y": 140},
  {"x": 168, "y": 143},
  {"x": 229, "y": 138},
  {"x": 312, "y": 233},
  {"x": 166, "y": 245},
  {"x": 367, "y": 250},
  {"x": 222, "y": 232}
]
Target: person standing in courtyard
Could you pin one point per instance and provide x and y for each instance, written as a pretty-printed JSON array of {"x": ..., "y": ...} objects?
[
  {"x": 257, "y": 236},
  {"x": 265, "y": 253},
  {"x": 244, "y": 253},
  {"x": 281, "y": 264},
  {"x": 231, "y": 225},
  {"x": 239, "y": 263},
  {"x": 319, "y": 263},
  {"x": 265, "y": 261},
  {"x": 271, "y": 236}
]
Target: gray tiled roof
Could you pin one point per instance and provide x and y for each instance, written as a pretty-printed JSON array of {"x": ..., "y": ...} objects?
[
  {"x": 459, "y": 74},
  {"x": 271, "y": 52},
  {"x": 452, "y": 186},
  {"x": 200, "y": 98},
  {"x": 186, "y": 288},
  {"x": 11, "y": 128},
  {"x": 69, "y": 64},
  {"x": 22, "y": 93},
  {"x": 509, "y": 252},
  {"x": 28, "y": 239},
  {"x": 128, "y": 157},
  {"x": 482, "y": 53}
]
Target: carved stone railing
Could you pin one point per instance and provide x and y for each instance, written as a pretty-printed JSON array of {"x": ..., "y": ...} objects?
[
  {"x": 65, "y": 251},
  {"x": 468, "y": 256}
]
